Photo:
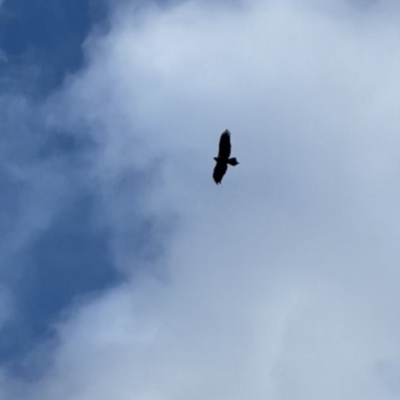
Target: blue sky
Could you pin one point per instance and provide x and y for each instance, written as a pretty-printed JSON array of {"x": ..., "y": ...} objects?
[
  {"x": 42, "y": 44},
  {"x": 47, "y": 35},
  {"x": 125, "y": 272},
  {"x": 69, "y": 258},
  {"x": 44, "y": 174}
]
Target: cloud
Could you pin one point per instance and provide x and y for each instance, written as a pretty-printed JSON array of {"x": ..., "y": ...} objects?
[
  {"x": 283, "y": 282},
  {"x": 45, "y": 196}
]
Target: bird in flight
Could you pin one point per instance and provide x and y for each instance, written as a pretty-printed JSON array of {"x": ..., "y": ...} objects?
[{"x": 223, "y": 157}]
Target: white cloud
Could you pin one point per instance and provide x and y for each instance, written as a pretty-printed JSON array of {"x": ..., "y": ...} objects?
[{"x": 283, "y": 282}]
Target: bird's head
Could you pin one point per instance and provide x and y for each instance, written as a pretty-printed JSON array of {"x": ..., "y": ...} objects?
[{"x": 216, "y": 159}]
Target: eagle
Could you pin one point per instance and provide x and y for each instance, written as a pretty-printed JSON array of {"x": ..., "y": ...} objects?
[{"x": 223, "y": 157}]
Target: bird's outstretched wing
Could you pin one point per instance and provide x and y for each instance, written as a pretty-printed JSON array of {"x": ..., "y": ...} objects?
[
  {"x": 219, "y": 171},
  {"x": 225, "y": 145}
]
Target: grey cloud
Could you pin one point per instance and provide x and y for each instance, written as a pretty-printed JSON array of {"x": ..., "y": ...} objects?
[{"x": 283, "y": 282}]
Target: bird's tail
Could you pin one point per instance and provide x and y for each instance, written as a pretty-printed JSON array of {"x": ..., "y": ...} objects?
[{"x": 233, "y": 161}]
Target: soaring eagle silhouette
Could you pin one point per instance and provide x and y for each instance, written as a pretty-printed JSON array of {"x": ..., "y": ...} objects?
[{"x": 223, "y": 157}]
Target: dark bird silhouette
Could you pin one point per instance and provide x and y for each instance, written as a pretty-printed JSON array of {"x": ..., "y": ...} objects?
[{"x": 223, "y": 157}]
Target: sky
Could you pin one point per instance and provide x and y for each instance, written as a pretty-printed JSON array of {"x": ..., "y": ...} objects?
[{"x": 125, "y": 272}]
